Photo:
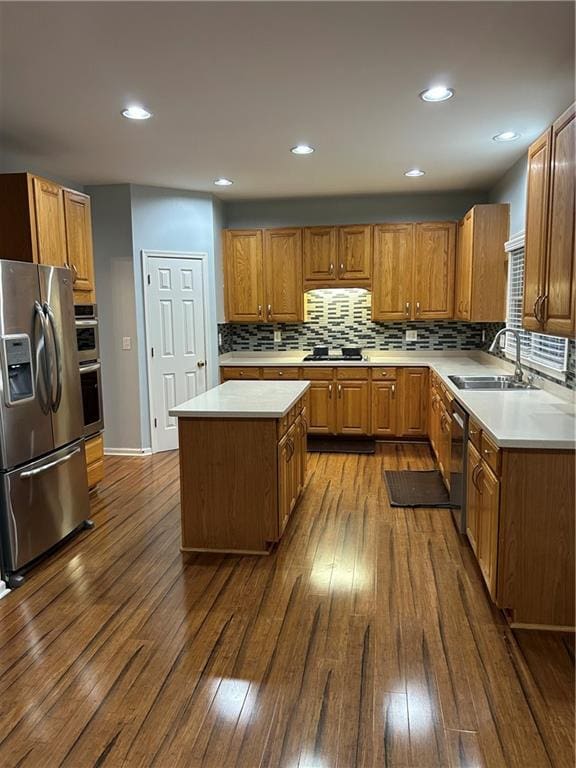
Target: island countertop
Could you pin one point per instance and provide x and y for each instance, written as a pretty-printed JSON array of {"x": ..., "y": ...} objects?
[{"x": 244, "y": 400}]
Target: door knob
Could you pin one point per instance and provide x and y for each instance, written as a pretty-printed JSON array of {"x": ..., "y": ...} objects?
[{"x": 200, "y": 363}]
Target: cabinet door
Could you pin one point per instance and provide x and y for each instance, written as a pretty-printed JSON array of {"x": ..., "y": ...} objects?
[
  {"x": 284, "y": 292},
  {"x": 303, "y": 447},
  {"x": 560, "y": 304},
  {"x": 445, "y": 444},
  {"x": 243, "y": 264},
  {"x": 392, "y": 277},
  {"x": 50, "y": 228},
  {"x": 355, "y": 254},
  {"x": 352, "y": 408},
  {"x": 79, "y": 244},
  {"x": 413, "y": 391},
  {"x": 488, "y": 520},
  {"x": 463, "y": 291},
  {"x": 384, "y": 408},
  {"x": 321, "y": 408},
  {"x": 284, "y": 482},
  {"x": 472, "y": 497},
  {"x": 434, "y": 270},
  {"x": 320, "y": 246},
  {"x": 294, "y": 464},
  {"x": 536, "y": 230}
]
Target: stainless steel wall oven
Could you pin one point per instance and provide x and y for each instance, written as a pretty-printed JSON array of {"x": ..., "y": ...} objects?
[{"x": 87, "y": 341}]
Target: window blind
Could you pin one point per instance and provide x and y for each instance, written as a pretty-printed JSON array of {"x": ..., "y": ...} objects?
[{"x": 549, "y": 352}]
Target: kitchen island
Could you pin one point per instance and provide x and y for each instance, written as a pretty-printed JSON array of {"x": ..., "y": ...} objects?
[{"x": 242, "y": 464}]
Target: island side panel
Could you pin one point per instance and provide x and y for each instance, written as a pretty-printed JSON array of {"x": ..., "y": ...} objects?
[
  {"x": 229, "y": 484},
  {"x": 536, "y": 537}
]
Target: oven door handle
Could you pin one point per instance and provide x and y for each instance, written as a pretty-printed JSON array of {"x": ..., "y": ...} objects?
[
  {"x": 86, "y": 323},
  {"x": 90, "y": 368}
]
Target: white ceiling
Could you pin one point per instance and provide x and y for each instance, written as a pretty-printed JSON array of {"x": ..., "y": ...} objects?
[{"x": 234, "y": 85}]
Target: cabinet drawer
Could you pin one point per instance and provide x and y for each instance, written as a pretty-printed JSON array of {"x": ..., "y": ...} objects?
[
  {"x": 383, "y": 374},
  {"x": 240, "y": 373},
  {"x": 280, "y": 373},
  {"x": 351, "y": 374},
  {"x": 317, "y": 374},
  {"x": 95, "y": 472},
  {"x": 490, "y": 453},
  {"x": 94, "y": 449},
  {"x": 474, "y": 434}
]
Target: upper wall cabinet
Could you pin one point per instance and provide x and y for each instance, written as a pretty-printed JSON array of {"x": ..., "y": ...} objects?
[
  {"x": 480, "y": 294},
  {"x": 44, "y": 223},
  {"x": 550, "y": 262},
  {"x": 264, "y": 275},
  {"x": 413, "y": 271},
  {"x": 337, "y": 256}
]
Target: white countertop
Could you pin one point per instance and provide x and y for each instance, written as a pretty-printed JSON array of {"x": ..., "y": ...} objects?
[
  {"x": 537, "y": 419},
  {"x": 244, "y": 400}
]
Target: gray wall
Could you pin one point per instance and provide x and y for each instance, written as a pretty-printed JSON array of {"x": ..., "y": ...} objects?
[
  {"x": 512, "y": 189},
  {"x": 171, "y": 220},
  {"x": 113, "y": 259},
  {"x": 369, "y": 209}
]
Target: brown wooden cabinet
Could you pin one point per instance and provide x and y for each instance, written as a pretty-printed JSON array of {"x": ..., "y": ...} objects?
[
  {"x": 44, "y": 223},
  {"x": 321, "y": 408},
  {"x": 95, "y": 460},
  {"x": 244, "y": 278},
  {"x": 481, "y": 271},
  {"x": 353, "y": 408},
  {"x": 473, "y": 465},
  {"x": 384, "y": 409},
  {"x": 263, "y": 275},
  {"x": 78, "y": 223},
  {"x": 392, "y": 271},
  {"x": 413, "y": 271},
  {"x": 413, "y": 405},
  {"x": 337, "y": 256},
  {"x": 320, "y": 252},
  {"x": 435, "y": 244},
  {"x": 550, "y": 258}
]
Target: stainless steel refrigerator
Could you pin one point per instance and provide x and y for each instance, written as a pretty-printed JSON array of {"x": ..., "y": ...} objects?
[{"x": 44, "y": 490}]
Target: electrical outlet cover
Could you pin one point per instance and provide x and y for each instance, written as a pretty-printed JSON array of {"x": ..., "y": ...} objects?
[
  {"x": 277, "y": 336},
  {"x": 411, "y": 335}
]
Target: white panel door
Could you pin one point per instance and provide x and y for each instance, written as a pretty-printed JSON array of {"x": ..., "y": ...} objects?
[{"x": 176, "y": 341}]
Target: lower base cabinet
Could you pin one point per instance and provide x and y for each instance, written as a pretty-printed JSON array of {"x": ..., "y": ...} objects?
[
  {"x": 413, "y": 401},
  {"x": 95, "y": 460},
  {"x": 483, "y": 516},
  {"x": 229, "y": 504},
  {"x": 384, "y": 410}
]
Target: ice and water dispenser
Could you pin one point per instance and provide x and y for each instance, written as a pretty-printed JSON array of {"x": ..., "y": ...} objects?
[{"x": 19, "y": 381}]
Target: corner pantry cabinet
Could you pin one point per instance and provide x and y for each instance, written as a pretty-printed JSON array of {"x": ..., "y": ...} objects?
[
  {"x": 413, "y": 271},
  {"x": 45, "y": 223},
  {"x": 263, "y": 275},
  {"x": 550, "y": 260},
  {"x": 481, "y": 270}
]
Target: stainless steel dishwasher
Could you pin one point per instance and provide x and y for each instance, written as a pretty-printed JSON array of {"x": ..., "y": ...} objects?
[{"x": 458, "y": 461}]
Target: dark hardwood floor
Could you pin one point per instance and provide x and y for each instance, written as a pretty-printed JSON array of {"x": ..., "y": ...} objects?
[{"x": 366, "y": 640}]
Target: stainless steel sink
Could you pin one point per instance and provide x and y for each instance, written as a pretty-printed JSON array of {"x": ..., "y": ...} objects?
[{"x": 491, "y": 382}]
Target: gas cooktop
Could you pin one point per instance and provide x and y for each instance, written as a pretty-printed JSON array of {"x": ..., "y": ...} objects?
[{"x": 324, "y": 353}]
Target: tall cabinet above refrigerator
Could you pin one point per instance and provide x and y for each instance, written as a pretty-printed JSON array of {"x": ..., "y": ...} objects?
[{"x": 43, "y": 492}]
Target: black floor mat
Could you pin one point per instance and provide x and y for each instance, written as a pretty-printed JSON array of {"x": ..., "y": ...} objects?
[
  {"x": 417, "y": 489},
  {"x": 341, "y": 445}
]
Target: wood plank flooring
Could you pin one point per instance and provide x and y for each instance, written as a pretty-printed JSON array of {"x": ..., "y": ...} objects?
[{"x": 366, "y": 640}]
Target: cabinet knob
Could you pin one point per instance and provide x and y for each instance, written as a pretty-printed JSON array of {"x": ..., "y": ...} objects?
[{"x": 280, "y": 373}]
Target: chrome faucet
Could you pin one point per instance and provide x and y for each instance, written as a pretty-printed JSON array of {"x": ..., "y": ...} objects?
[{"x": 518, "y": 372}]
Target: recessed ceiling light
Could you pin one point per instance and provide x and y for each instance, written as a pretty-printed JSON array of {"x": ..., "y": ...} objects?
[
  {"x": 302, "y": 149},
  {"x": 222, "y": 182},
  {"x": 414, "y": 172},
  {"x": 506, "y": 136},
  {"x": 136, "y": 113},
  {"x": 437, "y": 93}
]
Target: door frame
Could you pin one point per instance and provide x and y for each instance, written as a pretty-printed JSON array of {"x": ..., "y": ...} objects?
[{"x": 190, "y": 255}]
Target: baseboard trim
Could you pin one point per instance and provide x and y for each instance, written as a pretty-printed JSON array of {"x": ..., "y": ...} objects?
[{"x": 127, "y": 451}]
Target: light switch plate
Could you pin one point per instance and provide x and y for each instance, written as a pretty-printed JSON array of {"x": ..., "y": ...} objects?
[
  {"x": 277, "y": 336},
  {"x": 219, "y": 339},
  {"x": 126, "y": 343},
  {"x": 411, "y": 335}
]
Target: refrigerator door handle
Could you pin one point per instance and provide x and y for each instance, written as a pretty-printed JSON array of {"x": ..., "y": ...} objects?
[
  {"x": 46, "y": 359},
  {"x": 50, "y": 465},
  {"x": 57, "y": 355}
]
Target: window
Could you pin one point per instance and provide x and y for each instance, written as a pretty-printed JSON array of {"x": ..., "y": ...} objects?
[{"x": 544, "y": 353}]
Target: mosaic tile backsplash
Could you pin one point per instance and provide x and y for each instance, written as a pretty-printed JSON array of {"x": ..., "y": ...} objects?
[{"x": 340, "y": 318}]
